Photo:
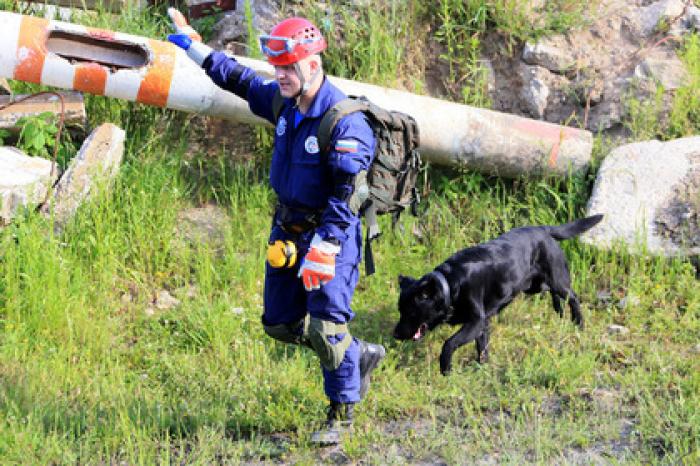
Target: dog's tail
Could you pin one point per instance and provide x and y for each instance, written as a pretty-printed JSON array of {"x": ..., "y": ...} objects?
[{"x": 569, "y": 230}]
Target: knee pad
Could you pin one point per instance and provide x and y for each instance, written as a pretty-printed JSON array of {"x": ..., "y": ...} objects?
[
  {"x": 294, "y": 332},
  {"x": 330, "y": 351}
]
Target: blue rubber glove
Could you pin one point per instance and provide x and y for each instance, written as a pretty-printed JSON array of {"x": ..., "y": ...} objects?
[
  {"x": 197, "y": 51},
  {"x": 181, "y": 40}
]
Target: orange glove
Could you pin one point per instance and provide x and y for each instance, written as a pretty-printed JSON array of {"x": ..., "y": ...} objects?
[{"x": 319, "y": 264}]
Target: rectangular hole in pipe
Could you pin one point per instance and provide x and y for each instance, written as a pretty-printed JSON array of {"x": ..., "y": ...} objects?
[{"x": 81, "y": 48}]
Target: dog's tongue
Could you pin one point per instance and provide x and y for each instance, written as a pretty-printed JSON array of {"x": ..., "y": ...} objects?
[{"x": 419, "y": 333}]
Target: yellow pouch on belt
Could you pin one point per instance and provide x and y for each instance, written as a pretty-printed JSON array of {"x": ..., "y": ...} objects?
[{"x": 282, "y": 254}]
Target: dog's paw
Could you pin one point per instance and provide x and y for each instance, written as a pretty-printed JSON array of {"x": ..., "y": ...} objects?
[{"x": 482, "y": 358}]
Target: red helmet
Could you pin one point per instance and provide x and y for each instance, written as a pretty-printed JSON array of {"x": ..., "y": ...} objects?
[{"x": 292, "y": 40}]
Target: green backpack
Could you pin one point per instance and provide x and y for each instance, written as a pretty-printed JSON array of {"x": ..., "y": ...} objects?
[{"x": 389, "y": 186}]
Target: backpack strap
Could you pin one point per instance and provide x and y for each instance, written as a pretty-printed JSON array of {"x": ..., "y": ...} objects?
[
  {"x": 334, "y": 114},
  {"x": 373, "y": 233},
  {"x": 277, "y": 104},
  {"x": 328, "y": 123}
]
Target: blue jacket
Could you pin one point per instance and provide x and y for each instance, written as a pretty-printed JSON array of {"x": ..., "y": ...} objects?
[{"x": 301, "y": 174}]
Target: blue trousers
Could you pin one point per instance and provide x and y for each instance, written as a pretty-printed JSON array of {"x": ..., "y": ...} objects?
[{"x": 286, "y": 301}]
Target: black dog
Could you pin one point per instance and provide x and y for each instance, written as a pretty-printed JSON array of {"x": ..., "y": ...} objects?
[{"x": 476, "y": 283}]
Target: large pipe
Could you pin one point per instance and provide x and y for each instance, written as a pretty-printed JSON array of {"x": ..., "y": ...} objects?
[{"x": 153, "y": 72}]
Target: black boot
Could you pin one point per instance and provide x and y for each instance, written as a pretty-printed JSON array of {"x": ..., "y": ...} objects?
[
  {"x": 338, "y": 423},
  {"x": 370, "y": 356}
]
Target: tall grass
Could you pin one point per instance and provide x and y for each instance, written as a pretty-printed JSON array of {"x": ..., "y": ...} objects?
[
  {"x": 381, "y": 44},
  {"x": 463, "y": 26},
  {"x": 92, "y": 372},
  {"x": 646, "y": 119}
]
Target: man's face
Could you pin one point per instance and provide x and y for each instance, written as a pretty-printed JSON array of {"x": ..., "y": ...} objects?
[
  {"x": 288, "y": 79},
  {"x": 286, "y": 76}
]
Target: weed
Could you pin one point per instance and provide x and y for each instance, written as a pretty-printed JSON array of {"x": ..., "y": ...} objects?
[
  {"x": 643, "y": 116},
  {"x": 464, "y": 25},
  {"x": 37, "y": 137},
  {"x": 4, "y": 134},
  {"x": 373, "y": 44},
  {"x": 684, "y": 119},
  {"x": 37, "y": 134},
  {"x": 253, "y": 45}
]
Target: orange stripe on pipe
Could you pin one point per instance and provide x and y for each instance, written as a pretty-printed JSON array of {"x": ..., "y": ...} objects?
[
  {"x": 90, "y": 78},
  {"x": 554, "y": 133},
  {"x": 155, "y": 87},
  {"x": 554, "y": 155},
  {"x": 31, "y": 51}
]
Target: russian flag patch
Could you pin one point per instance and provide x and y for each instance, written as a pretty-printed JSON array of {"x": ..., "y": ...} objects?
[{"x": 346, "y": 145}]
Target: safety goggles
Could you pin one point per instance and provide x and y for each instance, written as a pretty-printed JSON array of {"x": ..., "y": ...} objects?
[{"x": 289, "y": 44}]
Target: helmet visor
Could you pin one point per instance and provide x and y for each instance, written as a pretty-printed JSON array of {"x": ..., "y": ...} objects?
[{"x": 274, "y": 46}]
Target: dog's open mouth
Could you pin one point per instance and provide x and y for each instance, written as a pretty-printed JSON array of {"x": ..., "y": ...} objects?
[{"x": 420, "y": 333}]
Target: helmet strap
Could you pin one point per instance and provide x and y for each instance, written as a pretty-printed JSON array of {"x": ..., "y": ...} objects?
[
  {"x": 305, "y": 85},
  {"x": 302, "y": 81}
]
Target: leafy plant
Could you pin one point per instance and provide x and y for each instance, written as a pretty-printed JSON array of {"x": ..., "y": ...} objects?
[
  {"x": 38, "y": 138},
  {"x": 462, "y": 26},
  {"x": 4, "y": 134},
  {"x": 37, "y": 135}
]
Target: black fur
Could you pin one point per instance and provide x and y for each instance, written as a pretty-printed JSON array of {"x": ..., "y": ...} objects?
[{"x": 484, "y": 279}]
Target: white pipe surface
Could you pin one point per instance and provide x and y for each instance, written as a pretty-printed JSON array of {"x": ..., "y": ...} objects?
[{"x": 158, "y": 73}]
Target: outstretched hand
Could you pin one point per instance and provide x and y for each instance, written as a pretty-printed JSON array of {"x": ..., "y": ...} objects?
[
  {"x": 187, "y": 38},
  {"x": 181, "y": 26}
]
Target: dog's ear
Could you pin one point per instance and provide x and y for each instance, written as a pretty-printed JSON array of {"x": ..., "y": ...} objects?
[
  {"x": 405, "y": 281},
  {"x": 430, "y": 287}
]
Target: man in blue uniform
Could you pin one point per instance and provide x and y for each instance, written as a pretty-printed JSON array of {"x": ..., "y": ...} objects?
[{"x": 308, "y": 302}]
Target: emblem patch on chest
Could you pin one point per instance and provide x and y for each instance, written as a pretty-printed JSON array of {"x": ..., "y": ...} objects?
[
  {"x": 311, "y": 145},
  {"x": 281, "y": 126}
]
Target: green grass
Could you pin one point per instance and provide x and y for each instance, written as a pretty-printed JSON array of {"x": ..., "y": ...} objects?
[
  {"x": 381, "y": 44},
  {"x": 88, "y": 375},
  {"x": 463, "y": 26},
  {"x": 646, "y": 119}
]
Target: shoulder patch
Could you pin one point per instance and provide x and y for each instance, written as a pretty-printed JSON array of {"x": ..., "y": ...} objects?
[{"x": 346, "y": 145}]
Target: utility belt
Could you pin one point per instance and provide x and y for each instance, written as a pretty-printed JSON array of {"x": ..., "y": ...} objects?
[{"x": 293, "y": 221}]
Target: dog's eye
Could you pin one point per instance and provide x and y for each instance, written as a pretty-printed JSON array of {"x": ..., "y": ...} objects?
[{"x": 424, "y": 296}]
